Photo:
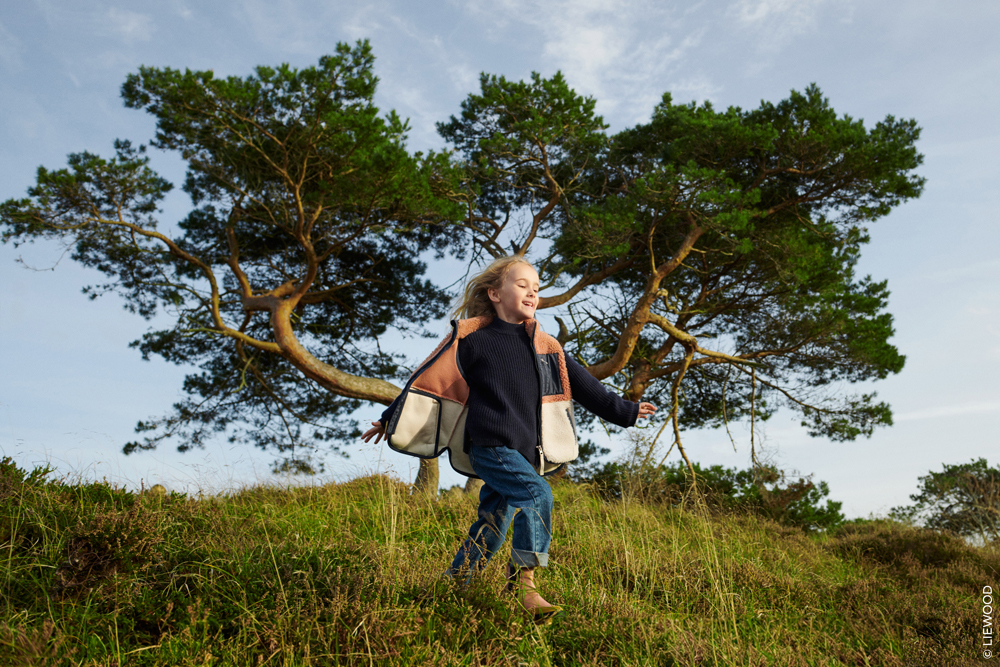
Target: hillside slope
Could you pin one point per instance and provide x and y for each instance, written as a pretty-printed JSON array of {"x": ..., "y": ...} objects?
[{"x": 348, "y": 574}]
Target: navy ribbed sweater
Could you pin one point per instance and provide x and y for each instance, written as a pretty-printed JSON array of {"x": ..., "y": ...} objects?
[{"x": 498, "y": 364}]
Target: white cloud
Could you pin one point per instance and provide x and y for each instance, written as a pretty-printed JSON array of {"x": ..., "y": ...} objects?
[
  {"x": 781, "y": 16},
  {"x": 364, "y": 22},
  {"x": 310, "y": 28},
  {"x": 983, "y": 273},
  {"x": 130, "y": 26},
  {"x": 696, "y": 89},
  {"x": 777, "y": 22},
  {"x": 794, "y": 11},
  {"x": 623, "y": 54},
  {"x": 463, "y": 77},
  {"x": 950, "y": 411}
]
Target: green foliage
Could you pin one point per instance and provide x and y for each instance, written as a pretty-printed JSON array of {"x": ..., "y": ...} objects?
[
  {"x": 764, "y": 491},
  {"x": 302, "y": 189},
  {"x": 518, "y": 140},
  {"x": 720, "y": 244},
  {"x": 349, "y": 574},
  {"x": 962, "y": 499},
  {"x": 739, "y": 228}
]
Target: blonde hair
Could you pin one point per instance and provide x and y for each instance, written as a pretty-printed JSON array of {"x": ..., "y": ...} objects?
[{"x": 476, "y": 299}]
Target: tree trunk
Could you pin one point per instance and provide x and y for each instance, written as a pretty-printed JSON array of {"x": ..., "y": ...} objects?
[
  {"x": 472, "y": 485},
  {"x": 427, "y": 477}
]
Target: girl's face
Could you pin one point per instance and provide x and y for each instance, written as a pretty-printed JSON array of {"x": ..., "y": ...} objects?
[{"x": 517, "y": 298}]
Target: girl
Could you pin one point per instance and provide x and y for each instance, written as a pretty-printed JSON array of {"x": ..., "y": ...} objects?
[{"x": 496, "y": 393}]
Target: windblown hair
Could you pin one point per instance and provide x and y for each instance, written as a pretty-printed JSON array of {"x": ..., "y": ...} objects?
[{"x": 476, "y": 300}]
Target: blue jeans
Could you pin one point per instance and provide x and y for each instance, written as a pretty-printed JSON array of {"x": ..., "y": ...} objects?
[{"x": 509, "y": 483}]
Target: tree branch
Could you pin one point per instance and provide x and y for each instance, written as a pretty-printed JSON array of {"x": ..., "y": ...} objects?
[
  {"x": 327, "y": 376},
  {"x": 623, "y": 262},
  {"x": 641, "y": 312}
]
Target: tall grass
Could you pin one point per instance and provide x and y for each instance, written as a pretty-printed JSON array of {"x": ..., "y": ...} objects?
[{"x": 349, "y": 574}]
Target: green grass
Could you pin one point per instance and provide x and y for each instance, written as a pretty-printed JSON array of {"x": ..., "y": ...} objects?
[{"x": 348, "y": 574}]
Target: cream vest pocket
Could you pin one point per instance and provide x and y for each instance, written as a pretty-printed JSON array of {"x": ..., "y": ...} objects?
[
  {"x": 559, "y": 432},
  {"x": 417, "y": 429}
]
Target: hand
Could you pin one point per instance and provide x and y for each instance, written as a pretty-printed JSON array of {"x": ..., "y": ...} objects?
[
  {"x": 378, "y": 431},
  {"x": 646, "y": 410}
]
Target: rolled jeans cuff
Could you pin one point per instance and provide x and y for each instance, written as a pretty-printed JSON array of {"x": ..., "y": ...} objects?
[{"x": 529, "y": 559}]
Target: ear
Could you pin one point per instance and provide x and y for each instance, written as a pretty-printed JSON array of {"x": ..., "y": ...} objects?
[{"x": 494, "y": 294}]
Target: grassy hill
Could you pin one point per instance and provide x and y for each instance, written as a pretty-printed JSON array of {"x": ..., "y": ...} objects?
[{"x": 348, "y": 574}]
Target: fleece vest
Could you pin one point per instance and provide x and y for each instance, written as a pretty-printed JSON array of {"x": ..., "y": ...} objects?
[{"x": 430, "y": 417}]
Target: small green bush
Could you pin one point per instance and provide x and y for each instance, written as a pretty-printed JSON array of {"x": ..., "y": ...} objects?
[{"x": 766, "y": 491}]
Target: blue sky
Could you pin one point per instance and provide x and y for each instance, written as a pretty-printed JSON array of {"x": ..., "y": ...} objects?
[{"x": 72, "y": 390}]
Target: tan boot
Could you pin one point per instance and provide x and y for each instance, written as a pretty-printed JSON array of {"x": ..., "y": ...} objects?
[{"x": 521, "y": 582}]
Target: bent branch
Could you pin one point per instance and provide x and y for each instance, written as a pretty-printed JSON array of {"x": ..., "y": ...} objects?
[
  {"x": 641, "y": 313},
  {"x": 327, "y": 376}
]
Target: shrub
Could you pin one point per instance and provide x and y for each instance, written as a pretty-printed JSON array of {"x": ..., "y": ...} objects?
[{"x": 765, "y": 491}]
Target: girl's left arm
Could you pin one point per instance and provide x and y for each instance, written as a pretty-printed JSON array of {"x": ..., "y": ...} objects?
[{"x": 594, "y": 396}]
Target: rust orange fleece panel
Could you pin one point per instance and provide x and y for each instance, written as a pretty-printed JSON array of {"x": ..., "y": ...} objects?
[{"x": 443, "y": 379}]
